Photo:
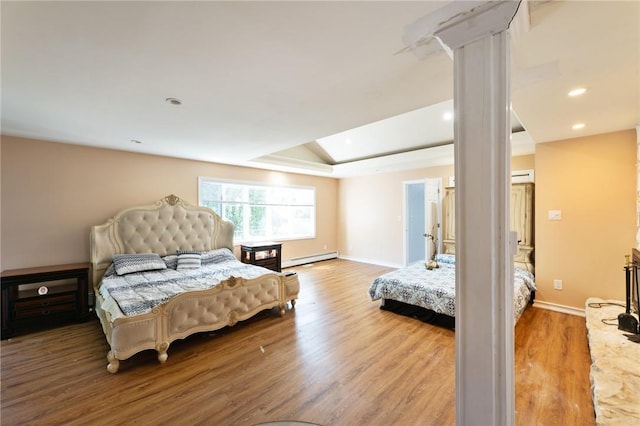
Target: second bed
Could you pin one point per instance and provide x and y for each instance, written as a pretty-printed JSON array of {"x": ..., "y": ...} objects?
[
  {"x": 435, "y": 291},
  {"x": 429, "y": 294}
]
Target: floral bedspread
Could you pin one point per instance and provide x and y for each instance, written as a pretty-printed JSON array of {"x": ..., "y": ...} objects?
[
  {"x": 140, "y": 292},
  {"x": 435, "y": 289}
]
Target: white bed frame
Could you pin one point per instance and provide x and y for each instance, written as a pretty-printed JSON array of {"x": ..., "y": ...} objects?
[{"x": 168, "y": 225}]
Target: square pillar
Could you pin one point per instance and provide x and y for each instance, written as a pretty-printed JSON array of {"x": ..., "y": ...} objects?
[
  {"x": 484, "y": 264},
  {"x": 476, "y": 34}
]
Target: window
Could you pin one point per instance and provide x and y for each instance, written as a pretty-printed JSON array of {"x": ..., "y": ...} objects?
[{"x": 262, "y": 212}]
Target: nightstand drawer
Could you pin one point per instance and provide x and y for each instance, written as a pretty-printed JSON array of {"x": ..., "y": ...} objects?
[
  {"x": 43, "y": 311},
  {"x": 269, "y": 264},
  {"x": 44, "y": 302}
]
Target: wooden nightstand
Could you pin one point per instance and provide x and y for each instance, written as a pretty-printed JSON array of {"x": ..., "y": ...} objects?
[
  {"x": 37, "y": 307},
  {"x": 267, "y": 255}
]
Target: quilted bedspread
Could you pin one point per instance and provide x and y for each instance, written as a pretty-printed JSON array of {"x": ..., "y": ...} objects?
[
  {"x": 140, "y": 292},
  {"x": 435, "y": 289}
]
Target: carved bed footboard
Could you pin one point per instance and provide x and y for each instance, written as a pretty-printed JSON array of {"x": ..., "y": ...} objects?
[{"x": 224, "y": 305}]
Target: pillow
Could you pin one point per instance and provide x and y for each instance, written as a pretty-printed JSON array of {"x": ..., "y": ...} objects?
[
  {"x": 171, "y": 260},
  {"x": 128, "y": 263},
  {"x": 446, "y": 258},
  {"x": 217, "y": 256},
  {"x": 189, "y": 261},
  {"x": 179, "y": 252},
  {"x": 111, "y": 270}
]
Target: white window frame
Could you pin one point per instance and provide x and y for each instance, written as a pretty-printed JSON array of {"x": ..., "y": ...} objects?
[{"x": 269, "y": 206}]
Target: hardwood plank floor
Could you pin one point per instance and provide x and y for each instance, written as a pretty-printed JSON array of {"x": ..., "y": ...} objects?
[{"x": 336, "y": 359}]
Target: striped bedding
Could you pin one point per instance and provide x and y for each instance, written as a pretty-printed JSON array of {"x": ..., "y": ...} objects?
[{"x": 138, "y": 293}]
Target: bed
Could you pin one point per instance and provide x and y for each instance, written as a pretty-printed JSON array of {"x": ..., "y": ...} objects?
[
  {"x": 429, "y": 294},
  {"x": 166, "y": 271}
]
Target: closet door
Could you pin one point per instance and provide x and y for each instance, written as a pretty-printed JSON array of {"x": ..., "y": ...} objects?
[
  {"x": 449, "y": 220},
  {"x": 522, "y": 221},
  {"x": 522, "y": 212}
]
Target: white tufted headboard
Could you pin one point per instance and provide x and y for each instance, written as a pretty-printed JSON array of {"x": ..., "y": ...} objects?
[{"x": 168, "y": 225}]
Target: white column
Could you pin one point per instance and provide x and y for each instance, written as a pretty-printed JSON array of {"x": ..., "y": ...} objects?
[
  {"x": 484, "y": 264},
  {"x": 475, "y": 32}
]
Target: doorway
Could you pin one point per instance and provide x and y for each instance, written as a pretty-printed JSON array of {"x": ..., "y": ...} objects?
[
  {"x": 415, "y": 221},
  {"x": 422, "y": 219}
]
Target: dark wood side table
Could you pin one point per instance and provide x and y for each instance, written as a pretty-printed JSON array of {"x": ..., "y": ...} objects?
[
  {"x": 267, "y": 255},
  {"x": 48, "y": 304}
]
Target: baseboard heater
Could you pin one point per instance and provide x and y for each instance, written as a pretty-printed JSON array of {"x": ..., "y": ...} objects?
[{"x": 295, "y": 261}]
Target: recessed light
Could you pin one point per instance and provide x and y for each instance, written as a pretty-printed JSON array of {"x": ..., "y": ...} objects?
[
  {"x": 136, "y": 141},
  {"x": 577, "y": 126},
  {"x": 174, "y": 101},
  {"x": 447, "y": 116},
  {"x": 577, "y": 92}
]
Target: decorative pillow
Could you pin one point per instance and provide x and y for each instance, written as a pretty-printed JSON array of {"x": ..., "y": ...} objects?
[
  {"x": 217, "y": 256},
  {"x": 128, "y": 263},
  {"x": 189, "y": 261},
  {"x": 171, "y": 260},
  {"x": 179, "y": 252},
  {"x": 111, "y": 270}
]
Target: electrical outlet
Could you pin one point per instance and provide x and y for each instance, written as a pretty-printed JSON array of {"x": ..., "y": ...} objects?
[{"x": 557, "y": 284}]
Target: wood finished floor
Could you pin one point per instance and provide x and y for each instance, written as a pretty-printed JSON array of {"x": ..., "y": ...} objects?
[{"x": 336, "y": 359}]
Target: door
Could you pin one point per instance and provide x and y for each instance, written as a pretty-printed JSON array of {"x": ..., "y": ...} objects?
[
  {"x": 415, "y": 221},
  {"x": 423, "y": 233}
]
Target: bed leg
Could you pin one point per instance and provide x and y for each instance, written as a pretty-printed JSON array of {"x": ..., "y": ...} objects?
[
  {"x": 282, "y": 309},
  {"x": 293, "y": 303},
  {"x": 162, "y": 352},
  {"x": 114, "y": 363}
]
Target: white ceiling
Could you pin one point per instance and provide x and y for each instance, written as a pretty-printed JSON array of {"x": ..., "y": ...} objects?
[{"x": 283, "y": 85}]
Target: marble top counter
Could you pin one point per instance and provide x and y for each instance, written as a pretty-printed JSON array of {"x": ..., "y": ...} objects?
[{"x": 615, "y": 366}]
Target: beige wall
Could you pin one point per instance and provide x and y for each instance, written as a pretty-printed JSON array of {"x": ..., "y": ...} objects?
[
  {"x": 371, "y": 220},
  {"x": 53, "y": 193},
  {"x": 592, "y": 181}
]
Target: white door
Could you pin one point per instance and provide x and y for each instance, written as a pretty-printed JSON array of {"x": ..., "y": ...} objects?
[
  {"x": 414, "y": 221},
  {"x": 423, "y": 207}
]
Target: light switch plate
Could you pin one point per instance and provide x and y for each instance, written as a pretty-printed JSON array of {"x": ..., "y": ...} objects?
[{"x": 555, "y": 215}]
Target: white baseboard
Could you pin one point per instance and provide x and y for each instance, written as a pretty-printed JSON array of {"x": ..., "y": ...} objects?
[
  {"x": 373, "y": 262},
  {"x": 287, "y": 263},
  {"x": 558, "y": 308}
]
